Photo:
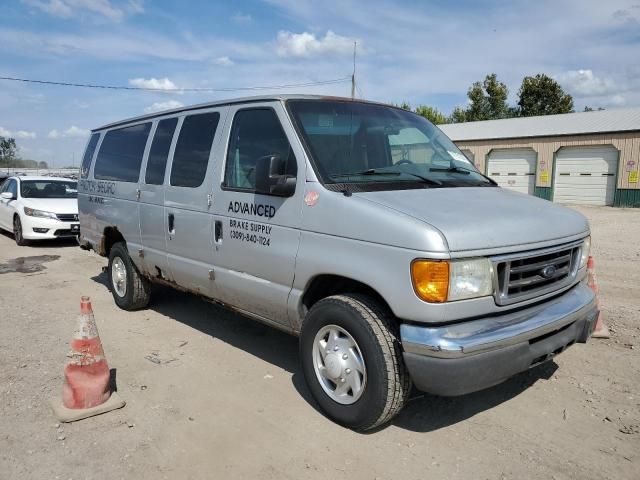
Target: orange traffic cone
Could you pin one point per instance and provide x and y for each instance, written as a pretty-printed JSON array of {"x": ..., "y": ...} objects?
[
  {"x": 601, "y": 330},
  {"x": 86, "y": 390}
]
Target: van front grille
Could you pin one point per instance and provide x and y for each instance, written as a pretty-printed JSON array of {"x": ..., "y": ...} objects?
[{"x": 524, "y": 276}]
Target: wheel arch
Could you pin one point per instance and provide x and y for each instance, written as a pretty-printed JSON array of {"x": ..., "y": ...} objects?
[
  {"x": 110, "y": 236},
  {"x": 326, "y": 285}
]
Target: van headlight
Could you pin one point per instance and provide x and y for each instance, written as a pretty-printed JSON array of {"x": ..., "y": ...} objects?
[
  {"x": 32, "y": 212},
  {"x": 585, "y": 251},
  {"x": 440, "y": 281}
]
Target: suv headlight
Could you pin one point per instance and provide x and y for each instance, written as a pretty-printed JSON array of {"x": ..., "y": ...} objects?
[
  {"x": 585, "y": 252},
  {"x": 32, "y": 212},
  {"x": 440, "y": 281}
]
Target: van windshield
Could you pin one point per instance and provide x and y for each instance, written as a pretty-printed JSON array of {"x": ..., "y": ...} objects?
[
  {"x": 380, "y": 147},
  {"x": 48, "y": 189}
]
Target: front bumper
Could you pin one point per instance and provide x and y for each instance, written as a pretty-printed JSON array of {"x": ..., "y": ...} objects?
[
  {"x": 54, "y": 228},
  {"x": 465, "y": 357}
]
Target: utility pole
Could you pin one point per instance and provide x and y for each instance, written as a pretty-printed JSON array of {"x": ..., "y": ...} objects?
[{"x": 353, "y": 75}]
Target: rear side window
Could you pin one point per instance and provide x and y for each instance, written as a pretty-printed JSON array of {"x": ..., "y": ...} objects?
[
  {"x": 193, "y": 147},
  {"x": 88, "y": 155},
  {"x": 255, "y": 133},
  {"x": 157, "y": 161},
  {"x": 121, "y": 153}
]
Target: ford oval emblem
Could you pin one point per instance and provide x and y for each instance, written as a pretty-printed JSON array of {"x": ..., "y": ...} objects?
[{"x": 548, "y": 271}]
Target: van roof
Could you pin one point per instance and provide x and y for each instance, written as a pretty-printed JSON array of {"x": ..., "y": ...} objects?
[{"x": 233, "y": 101}]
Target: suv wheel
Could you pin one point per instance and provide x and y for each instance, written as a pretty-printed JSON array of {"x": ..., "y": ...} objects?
[
  {"x": 17, "y": 232},
  {"x": 130, "y": 290},
  {"x": 352, "y": 361}
]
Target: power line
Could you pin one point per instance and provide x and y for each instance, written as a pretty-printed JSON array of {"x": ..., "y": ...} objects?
[{"x": 149, "y": 89}]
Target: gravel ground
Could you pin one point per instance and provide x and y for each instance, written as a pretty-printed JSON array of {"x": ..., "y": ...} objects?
[{"x": 227, "y": 398}]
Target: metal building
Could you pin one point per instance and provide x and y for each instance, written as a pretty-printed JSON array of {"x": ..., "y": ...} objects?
[{"x": 588, "y": 158}]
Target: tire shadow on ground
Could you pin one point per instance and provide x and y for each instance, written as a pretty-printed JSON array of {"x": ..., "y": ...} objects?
[{"x": 423, "y": 412}]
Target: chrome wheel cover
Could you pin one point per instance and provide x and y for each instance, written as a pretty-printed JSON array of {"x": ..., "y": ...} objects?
[
  {"x": 119, "y": 276},
  {"x": 339, "y": 365}
]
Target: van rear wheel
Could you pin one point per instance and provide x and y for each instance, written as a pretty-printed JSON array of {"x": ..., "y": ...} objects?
[
  {"x": 130, "y": 290},
  {"x": 352, "y": 361}
]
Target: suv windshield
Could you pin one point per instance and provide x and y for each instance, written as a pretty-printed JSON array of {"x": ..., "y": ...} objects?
[
  {"x": 48, "y": 189},
  {"x": 379, "y": 146}
]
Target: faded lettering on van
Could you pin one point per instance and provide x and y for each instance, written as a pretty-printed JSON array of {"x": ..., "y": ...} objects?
[
  {"x": 259, "y": 210},
  {"x": 250, "y": 232},
  {"x": 99, "y": 187}
]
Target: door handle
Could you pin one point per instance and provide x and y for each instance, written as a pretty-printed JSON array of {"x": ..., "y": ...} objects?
[
  {"x": 171, "y": 223},
  {"x": 218, "y": 231}
]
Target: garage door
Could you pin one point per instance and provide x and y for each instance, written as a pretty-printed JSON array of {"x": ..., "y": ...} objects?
[
  {"x": 513, "y": 168},
  {"x": 585, "y": 175}
]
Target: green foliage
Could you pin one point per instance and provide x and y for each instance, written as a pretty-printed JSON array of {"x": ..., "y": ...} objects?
[
  {"x": 459, "y": 115},
  {"x": 8, "y": 150},
  {"x": 9, "y": 156},
  {"x": 542, "y": 95},
  {"x": 432, "y": 114},
  {"x": 487, "y": 101}
]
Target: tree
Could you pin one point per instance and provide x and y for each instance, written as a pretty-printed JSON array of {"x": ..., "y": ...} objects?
[
  {"x": 487, "y": 101},
  {"x": 587, "y": 108},
  {"x": 542, "y": 95},
  {"x": 432, "y": 114},
  {"x": 459, "y": 115},
  {"x": 497, "y": 93},
  {"x": 8, "y": 150}
]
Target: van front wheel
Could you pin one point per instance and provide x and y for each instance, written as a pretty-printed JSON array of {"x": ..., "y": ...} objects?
[
  {"x": 130, "y": 290},
  {"x": 352, "y": 361}
]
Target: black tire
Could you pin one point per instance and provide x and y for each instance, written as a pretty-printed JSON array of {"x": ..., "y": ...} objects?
[
  {"x": 138, "y": 289},
  {"x": 376, "y": 333},
  {"x": 17, "y": 232}
]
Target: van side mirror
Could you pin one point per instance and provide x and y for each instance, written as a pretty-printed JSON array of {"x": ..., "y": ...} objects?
[
  {"x": 271, "y": 178},
  {"x": 7, "y": 195}
]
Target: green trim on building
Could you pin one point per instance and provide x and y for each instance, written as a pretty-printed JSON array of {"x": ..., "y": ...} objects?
[
  {"x": 627, "y": 197},
  {"x": 544, "y": 192}
]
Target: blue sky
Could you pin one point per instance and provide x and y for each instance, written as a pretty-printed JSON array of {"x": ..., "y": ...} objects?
[{"x": 417, "y": 51}]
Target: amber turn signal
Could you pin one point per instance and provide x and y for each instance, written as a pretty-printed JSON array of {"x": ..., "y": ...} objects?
[{"x": 430, "y": 280}]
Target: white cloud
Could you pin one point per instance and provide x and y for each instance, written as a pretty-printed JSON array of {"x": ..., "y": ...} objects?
[
  {"x": 74, "y": 131},
  {"x": 585, "y": 83},
  {"x": 242, "y": 18},
  {"x": 224, "y": 61},
  {"x": 16, "y": 134},
  {"x": 306, "y": 44},
  {"x": 154, "y": 83},
  {"x": 71, "y": 132},
  {"x": 72, "y": 8},
  {"x": 159, "y": 106}
]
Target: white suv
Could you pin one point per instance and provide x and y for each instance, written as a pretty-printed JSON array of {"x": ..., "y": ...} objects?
[{"x": 38, "y": 208}]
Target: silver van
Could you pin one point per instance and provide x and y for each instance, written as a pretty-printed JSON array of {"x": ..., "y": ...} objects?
[{"x": 358, "y": 226}]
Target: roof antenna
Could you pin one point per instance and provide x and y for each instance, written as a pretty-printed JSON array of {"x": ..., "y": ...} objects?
[{"x": 353, "y": 75}]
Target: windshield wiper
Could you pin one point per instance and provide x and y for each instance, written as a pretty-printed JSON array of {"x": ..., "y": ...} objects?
[
  {"x": 451, "y": 169},
  {"x": 373, "y": 171},
  {"x": 465, "y": 171}
]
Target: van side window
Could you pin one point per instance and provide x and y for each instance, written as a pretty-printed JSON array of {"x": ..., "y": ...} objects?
[
  {"x": 88, "y": 155},
  {"x": 157, "y": 161},
  {"x": 193, "y": 147},
  {"x": 121, "y": 153},
  {"x": 255, "y": 133}
]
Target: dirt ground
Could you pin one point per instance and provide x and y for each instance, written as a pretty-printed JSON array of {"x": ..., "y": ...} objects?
[{"x": 227, "y": 398}]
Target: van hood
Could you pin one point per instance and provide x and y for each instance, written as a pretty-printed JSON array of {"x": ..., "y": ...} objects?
[
  {"x": 485, "y": 218},
  {"x": 55, "y": 205}
]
